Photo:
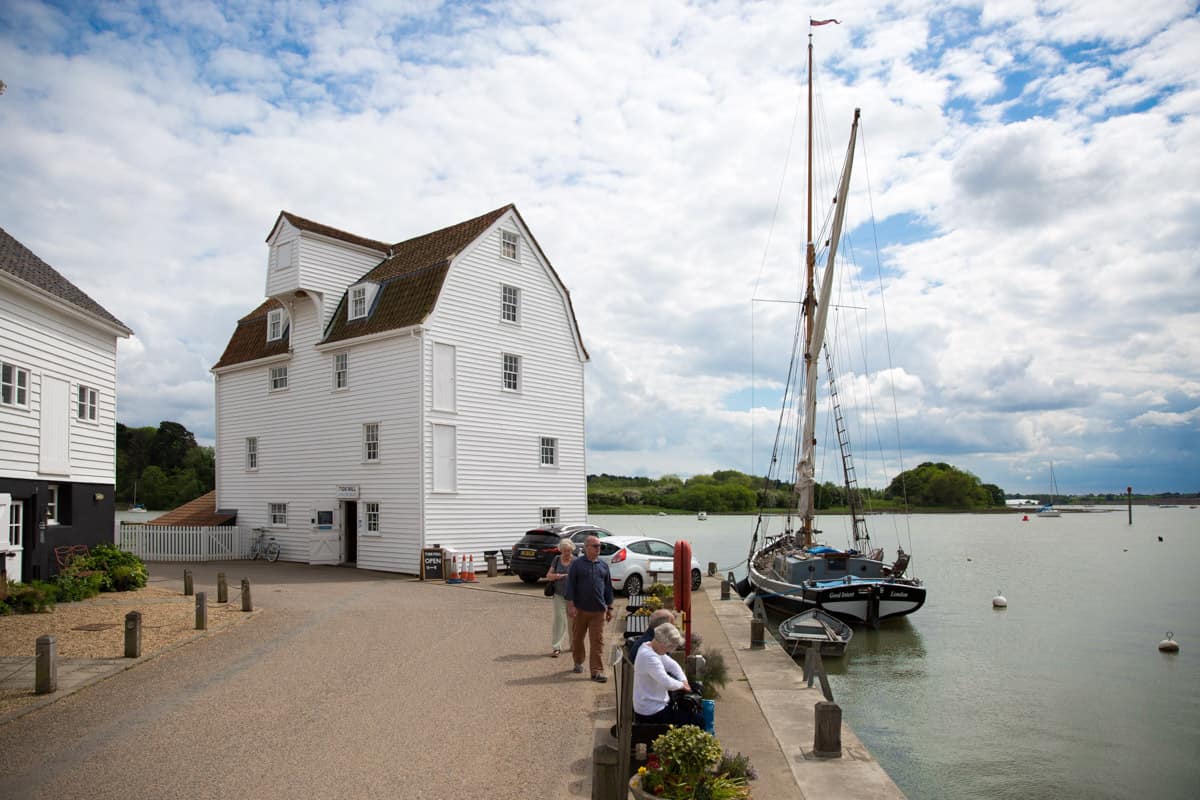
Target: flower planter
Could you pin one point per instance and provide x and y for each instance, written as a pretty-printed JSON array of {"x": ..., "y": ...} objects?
[{"x": 635, "y": 790}]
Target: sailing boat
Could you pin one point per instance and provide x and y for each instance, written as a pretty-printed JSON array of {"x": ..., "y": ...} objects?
[
  {"x": 1049, "y": 510},
  {"x": 790, "y": 571}
]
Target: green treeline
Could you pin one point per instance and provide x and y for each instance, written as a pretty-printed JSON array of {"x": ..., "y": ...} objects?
[
  {"x": 927, "y": 486},
  {"x": 162, "y": 468}
]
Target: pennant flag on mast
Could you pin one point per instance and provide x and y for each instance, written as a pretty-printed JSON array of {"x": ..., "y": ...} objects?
[{"x": 812, "y": 21}]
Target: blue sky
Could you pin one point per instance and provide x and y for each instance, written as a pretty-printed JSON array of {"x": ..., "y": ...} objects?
[{"x": 1031, "y": 167}]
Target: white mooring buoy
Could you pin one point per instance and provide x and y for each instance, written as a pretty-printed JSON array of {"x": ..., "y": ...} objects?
[
  {"x": 999, "y": 601},
  {"x": 1169, "y": 645}
]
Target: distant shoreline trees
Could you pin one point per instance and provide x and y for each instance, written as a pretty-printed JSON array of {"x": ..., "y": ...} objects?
[{"x": 162, "y": 468}]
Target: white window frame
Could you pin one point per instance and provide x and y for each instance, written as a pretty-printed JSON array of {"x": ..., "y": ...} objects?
[
  {"x": 251, "y": 454},
  {"x": 510, "y": 304},
  {"x": 52, "y": 504},
  {"x": 372, "y": 513},
  {"x": 549, "y": 515},
  {"x": 510, "y": 245},
  {"x": 341, "y": 371},
  {"x": 277, "y": 515},
  {"x": 275, "y": 325},
  {"x": 87, "y": 402},
  {"x": 370, "y": 442},
  {"x": 357, "y": 302},
  {"x": 277, "y": 378},
  {"x": 14, "y": 385},
  {"x": 549, "y": 451},
  {"x": 510, "y": 372},
  {"x": 16, "y": 520}
]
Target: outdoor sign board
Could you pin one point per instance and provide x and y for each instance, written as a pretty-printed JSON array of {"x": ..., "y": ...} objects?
[{"x": 432, "y": 564}]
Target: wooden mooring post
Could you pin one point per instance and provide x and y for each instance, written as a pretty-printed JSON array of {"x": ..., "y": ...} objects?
[
  {"x": 201, "y": 611},
  {"x": 827, "y": 738},
  {"x": 187, "y": 583},
  {"x": 247, "y": 604},
  {"x": 133, "y": 634},
  {"x": 45, "y": 679},
  {"x": 222, "y": 588}
]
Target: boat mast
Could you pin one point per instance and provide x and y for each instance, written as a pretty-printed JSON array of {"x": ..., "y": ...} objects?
[{"x": 816, "y": 313}]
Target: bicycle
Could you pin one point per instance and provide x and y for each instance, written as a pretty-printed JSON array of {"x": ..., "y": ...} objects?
[{"x": 264, "y": 546}]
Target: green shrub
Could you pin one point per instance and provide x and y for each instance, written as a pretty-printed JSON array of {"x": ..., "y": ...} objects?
[
  {"x": 71, "y": 585},
  {"x": 122, "y": 571},
  {"x": 27, "y": 598},
  {"x": 716, "y": 674}
]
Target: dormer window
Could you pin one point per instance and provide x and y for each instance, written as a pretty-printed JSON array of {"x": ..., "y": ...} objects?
[
  {"x": 509, "y": 244},
  {"x": 358, "y": 302},
  {"x": 275, "y": 325}
]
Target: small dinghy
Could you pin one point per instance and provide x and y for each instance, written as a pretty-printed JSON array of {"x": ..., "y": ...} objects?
[{"x": 815, "y": 628}]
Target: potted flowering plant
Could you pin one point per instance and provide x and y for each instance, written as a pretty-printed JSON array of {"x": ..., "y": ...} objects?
[{"x": 687, "y": 765}]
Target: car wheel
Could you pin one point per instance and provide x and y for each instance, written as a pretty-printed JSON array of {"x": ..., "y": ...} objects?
[
  {"x": 530, "y": 578},
  {"x": 695, "y": 580},
  {"x": 633, "y": 584}
]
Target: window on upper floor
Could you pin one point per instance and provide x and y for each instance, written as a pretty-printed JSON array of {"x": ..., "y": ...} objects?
[
  {"x": 341, "y": 376},
  {"x": 549, "y": 516},
  {"x": 278, "y": 378},
  {"x": 510, "y": 304},
  {"x": 370, "y": 442},
  {"x": 358, "y": 302},
  {"x": 52, "y": 505},
  {"x": 251, "y": 453},
  {"x": 510, "y": 245},
  {"x": 372, "y": 517},
  {"x": 85, "y": 405},
  {"x": 445, "y": 379},
  {"x": 276, "y": 324},
  {"x": 511, "y": 369},
  {"x": 16, "y": 519},
  {"x": 549, "y": 451},
  {"x": 277, "y": 513},
  {"x": 14, "y": 385},
  {"x": 283, "y": 255}
]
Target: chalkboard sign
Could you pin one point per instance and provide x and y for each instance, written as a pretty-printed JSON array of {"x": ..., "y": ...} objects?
[{"x": 431, "y": 564}]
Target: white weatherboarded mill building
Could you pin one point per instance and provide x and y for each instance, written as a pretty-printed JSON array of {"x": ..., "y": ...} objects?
[{"x": 390, "y": 397}]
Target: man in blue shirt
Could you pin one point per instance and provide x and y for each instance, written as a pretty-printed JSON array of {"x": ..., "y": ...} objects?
[{"x": 589, "y": 597}]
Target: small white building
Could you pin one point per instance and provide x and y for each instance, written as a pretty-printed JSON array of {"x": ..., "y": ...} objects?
[
  {"x": 390, "y": 397},
  {"x": 58, "y": 412}
]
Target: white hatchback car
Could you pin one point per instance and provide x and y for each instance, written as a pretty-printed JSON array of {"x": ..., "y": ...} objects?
[{"x": 635, "y": 562}]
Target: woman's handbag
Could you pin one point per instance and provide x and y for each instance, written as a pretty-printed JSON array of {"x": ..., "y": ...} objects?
[{"x": 549, "y": 590}]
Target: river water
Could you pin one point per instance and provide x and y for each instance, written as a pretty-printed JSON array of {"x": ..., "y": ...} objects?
[{"x": 1063, "y": 694}]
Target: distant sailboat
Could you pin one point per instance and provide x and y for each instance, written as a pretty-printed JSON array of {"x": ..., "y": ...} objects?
[{"x": 1049, "y": 510}]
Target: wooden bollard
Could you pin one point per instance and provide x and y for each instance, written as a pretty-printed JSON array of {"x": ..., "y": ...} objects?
[
  {"x": 222, "y": 588},
  {"x": 187, "y": 583},
  {"x": 247, "y": 605},
  {"x": 758, "y": 639},
  {"x": 724, "y": 589},
  {"x": 133, "y": 634},
  {"x": 712, "y": 568},
  {"x": 827, "y": 739},
  {"x": 201, "y": 611},
  {"x": 45, "y": 679}
]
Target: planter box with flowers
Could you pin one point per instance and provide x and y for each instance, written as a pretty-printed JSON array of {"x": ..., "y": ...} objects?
[{"x": 688, "y": 764}]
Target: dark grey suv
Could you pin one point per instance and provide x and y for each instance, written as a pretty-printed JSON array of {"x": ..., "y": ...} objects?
[{"x": 532, "y": 555}]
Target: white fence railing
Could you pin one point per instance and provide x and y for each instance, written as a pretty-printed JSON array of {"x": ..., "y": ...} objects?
[{"x": 180, "y": 543}]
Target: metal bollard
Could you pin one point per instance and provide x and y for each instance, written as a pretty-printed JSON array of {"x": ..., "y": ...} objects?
[
  {"x": 201, "y": 611},
  {"x": 724, "y": 589},
  {"x": 246, "y": 604},
  {"x": 187, "y": 583},
  {"x": 758, "y": 638},
  {"x": 712, "y": 568},
  {"x": 46, "y": 668},
  {"x": 133, "y": 634},
  {"x": 222, "y": 588},
  {"x": 827, "y": 739}
]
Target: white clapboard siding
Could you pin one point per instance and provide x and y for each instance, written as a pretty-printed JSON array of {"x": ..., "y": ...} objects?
[
  {"x": 50, "y": 344},
  {"x": 185, "y": 543}
]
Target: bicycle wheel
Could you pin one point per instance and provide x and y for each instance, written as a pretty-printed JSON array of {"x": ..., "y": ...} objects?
[
  {"x": 254, "y": 548},
  {"x": 272, "y": 551}
]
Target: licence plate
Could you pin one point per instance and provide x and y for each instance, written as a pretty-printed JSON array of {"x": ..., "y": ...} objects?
[{"x": 528, "y": 553}]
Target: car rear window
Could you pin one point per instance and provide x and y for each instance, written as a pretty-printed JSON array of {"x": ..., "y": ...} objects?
[
  {"x": 539, "y": 539},
  {"x": 608, "y": 548}
]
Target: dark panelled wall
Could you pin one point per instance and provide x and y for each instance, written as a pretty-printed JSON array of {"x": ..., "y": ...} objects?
[{"x": 84, "y": 519}]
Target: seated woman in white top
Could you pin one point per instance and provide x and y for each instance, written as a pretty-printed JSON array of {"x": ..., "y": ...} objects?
[{"x": 656, "y": 675}]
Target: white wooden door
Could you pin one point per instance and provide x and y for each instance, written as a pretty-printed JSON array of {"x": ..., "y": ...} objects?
[
  {"x": 12, "y": 518},
  {"x": 325, "y": 546}
]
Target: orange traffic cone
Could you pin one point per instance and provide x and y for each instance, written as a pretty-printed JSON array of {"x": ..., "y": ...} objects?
[
  {"x": 471, "y": 568},
  {"x": 454, "y": 576}
]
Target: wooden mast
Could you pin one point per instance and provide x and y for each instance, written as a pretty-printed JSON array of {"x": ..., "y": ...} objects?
[{"x": 806, "y": 469}]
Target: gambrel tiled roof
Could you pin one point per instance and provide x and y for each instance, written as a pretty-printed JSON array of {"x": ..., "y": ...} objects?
[
  {"x": 410, "y": 276},
  {"x": 20, "y": 262}
]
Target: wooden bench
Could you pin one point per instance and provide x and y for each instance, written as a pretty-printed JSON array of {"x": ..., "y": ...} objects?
[{"x": 65, "y": 554}]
